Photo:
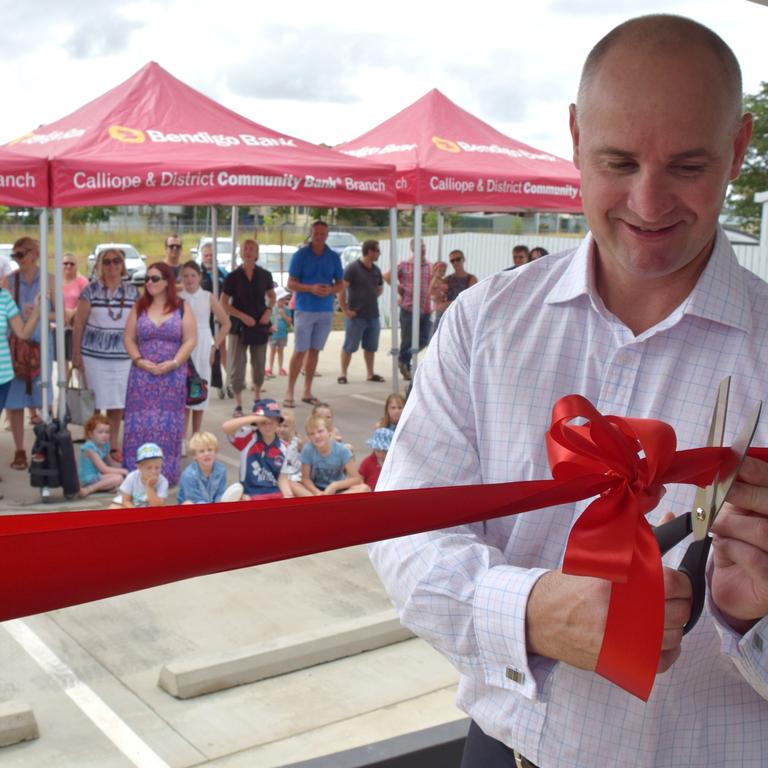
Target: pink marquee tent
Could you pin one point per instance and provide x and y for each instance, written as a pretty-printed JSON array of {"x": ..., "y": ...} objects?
[
  {"x": 448, "y": 158},
  {"x": 155, "y": 140},
  {"x": 23, "y": 180}
]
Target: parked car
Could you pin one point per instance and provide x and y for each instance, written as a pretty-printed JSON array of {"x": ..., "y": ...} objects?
[
  {"x": 350, "y": 254},
  {"x": 223, "y": 252},
  {"x": 6, "y": 249},
  {"x": 135, "y": 262},
  {"x": 338, "y": 241},
  {"x": 270, "y": 258}
]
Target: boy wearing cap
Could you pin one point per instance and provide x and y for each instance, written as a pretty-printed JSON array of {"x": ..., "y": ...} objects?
[
  {"x": 262, "y": 452},
  {"x": 370, "y": 466},
  {"x": 145, "y": 486}
]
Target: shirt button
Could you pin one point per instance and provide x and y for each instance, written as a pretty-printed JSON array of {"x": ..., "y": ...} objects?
[{"x": 515, "y": 675}]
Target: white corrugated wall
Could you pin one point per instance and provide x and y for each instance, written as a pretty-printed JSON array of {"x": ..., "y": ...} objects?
[{"x": 488, "y": 253}]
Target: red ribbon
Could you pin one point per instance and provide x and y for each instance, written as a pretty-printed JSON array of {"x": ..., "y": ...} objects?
[{"x": 54, "y": 560}]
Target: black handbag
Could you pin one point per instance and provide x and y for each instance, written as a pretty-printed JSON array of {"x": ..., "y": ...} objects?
[{"x": 197, "y": 386}]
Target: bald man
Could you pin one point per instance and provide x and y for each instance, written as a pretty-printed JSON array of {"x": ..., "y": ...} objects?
[{"x": 644, "y": 318}]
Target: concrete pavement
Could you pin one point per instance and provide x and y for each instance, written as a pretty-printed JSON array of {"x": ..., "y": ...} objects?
[{"x": 90, "y": 672}]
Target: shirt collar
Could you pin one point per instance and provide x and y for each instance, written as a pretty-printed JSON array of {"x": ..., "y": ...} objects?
[{"x": 720, "y": 295}]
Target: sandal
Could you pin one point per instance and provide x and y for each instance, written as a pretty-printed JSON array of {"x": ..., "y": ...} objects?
[
  {"x": 342, "y": 380},
  {"x": 310, "y": 401},
  {"x": 376, "y": 377},
  {"x": 289, "y": 403},
  {"x": 19, "y": 460}
]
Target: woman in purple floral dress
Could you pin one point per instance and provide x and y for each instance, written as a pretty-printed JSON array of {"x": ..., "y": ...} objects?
[{"x": 159, "y": 336}]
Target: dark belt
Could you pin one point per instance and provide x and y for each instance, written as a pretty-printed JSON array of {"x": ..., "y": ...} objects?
[{"x": 522, "y": 762}]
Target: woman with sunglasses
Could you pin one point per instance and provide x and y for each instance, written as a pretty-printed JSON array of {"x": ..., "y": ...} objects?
[
  {"x": 159, "y": 336},
  {"x": 24, "y": 287},
  {"x": 74, "y": 283},
  {"x": 97, "y": 338}
]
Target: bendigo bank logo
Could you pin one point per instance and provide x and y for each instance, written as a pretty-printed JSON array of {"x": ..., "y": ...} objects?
[
  {"x": 127, "y": 135},
  {"x": 446, "y": 144}
]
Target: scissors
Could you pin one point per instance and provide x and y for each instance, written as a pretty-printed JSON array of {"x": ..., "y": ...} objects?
[{"x": 707, "y": 503}]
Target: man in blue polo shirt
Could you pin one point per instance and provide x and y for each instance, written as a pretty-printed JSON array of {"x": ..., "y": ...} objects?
[{"x": 315, "y": 277}]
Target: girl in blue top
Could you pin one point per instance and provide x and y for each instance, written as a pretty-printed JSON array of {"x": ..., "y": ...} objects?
[{"x": 98, "y": 471}]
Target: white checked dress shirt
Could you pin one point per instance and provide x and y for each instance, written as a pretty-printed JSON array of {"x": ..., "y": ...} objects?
[{"x": 506, "y": 350}]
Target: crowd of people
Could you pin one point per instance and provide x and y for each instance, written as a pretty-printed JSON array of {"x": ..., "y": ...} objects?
[{"x": 133, "y": 349}]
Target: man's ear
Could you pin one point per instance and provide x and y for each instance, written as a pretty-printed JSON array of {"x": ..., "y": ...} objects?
[
  {"x": 573, "y": 124},
  {"x": 740, "y": 144}
]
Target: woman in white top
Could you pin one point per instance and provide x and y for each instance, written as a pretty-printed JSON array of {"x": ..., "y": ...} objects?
[
  {"x": 203, "y": 304},
  {"x": 97, "y": 338}
]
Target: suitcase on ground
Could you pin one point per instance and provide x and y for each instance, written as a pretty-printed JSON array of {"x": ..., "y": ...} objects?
[
  {"x": 44, "y": 466},
  {"x": 65, "y": 457},
  {"x": 53, "y": 463}
]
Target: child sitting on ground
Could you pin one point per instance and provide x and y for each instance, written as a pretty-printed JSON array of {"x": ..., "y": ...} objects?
[
  {"x": 262, "y": 453},
  {"x": 327, "y": 466},
  {"x": 370, "y": 466},
  {"x": 146, "y": 486},
  {"x": 293, "y": 445},
  {"x": 281, "y": 322},
  {"x": 204, "y": 480},
  {"x": 324, "y": 411},
  {"x": 393, "y": 408},
  {"x": 98, "y": 471}
]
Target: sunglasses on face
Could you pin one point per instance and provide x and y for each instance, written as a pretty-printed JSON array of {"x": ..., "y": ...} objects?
[
  {"x": 174, "y": 247},
  {"x": 453, "y": 261},
  {"x": 69, "y": 264},
  {"x": 154, "y": 278},
  {"x": 109, "y": 262},
  {"x": 18, "y": 255}
]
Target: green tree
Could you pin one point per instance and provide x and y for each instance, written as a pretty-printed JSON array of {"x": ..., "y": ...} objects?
[
  {"x": 88, "y": 215},
  {"x": 754, "y": 173}
]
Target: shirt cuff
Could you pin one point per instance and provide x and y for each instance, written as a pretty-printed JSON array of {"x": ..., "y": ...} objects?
[
  {"x": 499, "y": 609},
  {"x": 749, "y": 652}
]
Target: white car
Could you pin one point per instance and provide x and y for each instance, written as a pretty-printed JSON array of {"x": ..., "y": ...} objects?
[
  {"x": 338, "y": 241},
  {"x": 135, "y": 262},
  {"x": 223, "y": 252},
  {"x": 277, "y": 259},
  {"x": 7, "y": 264},
  {"x": 351, "y": 253}
]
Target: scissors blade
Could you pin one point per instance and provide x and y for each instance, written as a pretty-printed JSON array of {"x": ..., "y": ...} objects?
[
  {"x": 738, "y": 451},
  {"x": 703, "y": 502}
]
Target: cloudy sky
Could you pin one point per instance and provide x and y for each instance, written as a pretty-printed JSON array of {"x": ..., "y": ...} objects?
[{"x": 327, "y": 72}]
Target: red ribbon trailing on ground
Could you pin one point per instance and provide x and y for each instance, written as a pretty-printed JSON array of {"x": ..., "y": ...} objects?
[{"x": 50, "y": 561}]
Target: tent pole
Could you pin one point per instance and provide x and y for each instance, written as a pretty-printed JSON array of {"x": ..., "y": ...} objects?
[
  {"x": 58, "y": 292},
  {"x": 234, "y": 239},
  {"x": 214, "y": 226},
  {"x": 45, "y": 352},
  {"x": 393, "y": 313},
  {"x": 440, "y": 233},
  {"x": 416, "y": 307}
]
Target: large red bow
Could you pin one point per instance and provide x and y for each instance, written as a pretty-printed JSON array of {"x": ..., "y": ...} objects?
[{"x": 55, "y": 560}]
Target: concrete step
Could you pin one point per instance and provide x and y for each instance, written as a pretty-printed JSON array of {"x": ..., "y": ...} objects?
[
  {"x": 196, "y": 675},
  {"x": 17, "y": 723}
]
